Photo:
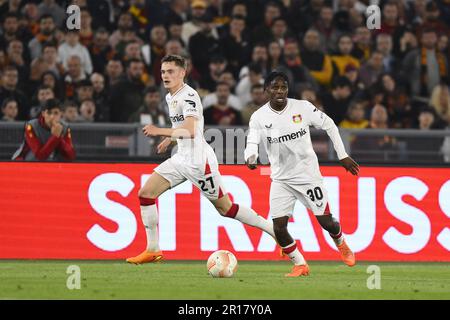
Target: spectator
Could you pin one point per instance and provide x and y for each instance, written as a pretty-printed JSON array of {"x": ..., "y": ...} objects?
[
  {"x": 216, "y": 66},
  {"x": 212, "y": 98},
  {"x": 49, "y": 79},
  {"x": 114, "y": 71},
  {"x": 154, "y": 52},
  {"x": 126, "y": 96},
  {"x": 425, "y": 148},
  {"x": 376, "y": 147},
  {"x": 140, "y": 13},
  {"x": 275, "y": 55},
  {"x": 174, "y": 30},
  {"x": 432, "y": 20},
  {"x": 15, "y": 56},
  {"x": 397, "y": 102},
  {"x": 325, "y": 25},
  {"x": 279, "y": 31},
  {"x": 319, "y": 63},
  {"x": 9, "y": 89},
  {"x": 307, "y": 92},
  {"x": 47, "y": 138},
  {"x": 424, "y": 68},
  {"x": 84, "y": 91},
  {"x": 194, "y": 25},
  {"x": 363, "y": 43},
  {"x": 132, "y": 51},
  {"x": 258, "y": 99},
  {"x": 86, "y": 31},
  {"x": 72, "y": 47},
  {"x": 227, "y": 77},
  {"x": 235, "y": 44},
  {"x": 50, "y": 7},
  {"x": 336, "y": 103},
  {"x": 174, "y": 46},
  {"x": 352, "y": 74},
  {"x": 293, "y": 61},
  {"x": 47, "y": 62},
  {"x": 9, "y": 110},
  {"x": 10, "y": 27},
  {"x": 221, "y": 113},
  {"x": 43, "y": 93},
  {"x": 243, "y": 89},
  {"x": 100, "y": 97},
  {"x": 47, "y": 33},
  {"x": 259, "y": 56},
  {"x": 100, "y": 50},
  {"x": 263, "y": 32},
  {"x": 152, "y": 111},
  {"x": 372, "y": 69},
  {"x": 87, "y": 111},
  {"x": 384, "y": 46},
  {"x": 440, "y": 101},
  {"x": 124, "y": 32},
  {"x": 70, "y": 113},
  {"x": 343, "y": 57},
  {"x": 355, "y": 118},
  {"x": 204, "y": 45},
  {"x": 75, "y": 74}
]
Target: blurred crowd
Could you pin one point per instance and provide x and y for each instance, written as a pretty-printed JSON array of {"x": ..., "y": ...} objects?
[{"x": 396, "y": 76}]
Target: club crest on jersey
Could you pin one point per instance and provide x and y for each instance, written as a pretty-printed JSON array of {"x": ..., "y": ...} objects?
[
  {"x": 297, "y": 118},
  {"x": 173, "y": 104}
]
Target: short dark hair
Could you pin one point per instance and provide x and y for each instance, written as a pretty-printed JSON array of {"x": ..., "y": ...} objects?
[
  {"x": 51, "y": 104},
  {"x": 43, "y": 87},
  {"x": 178, "y": 60},
  {"x": 341, "y": 81},
  {"x": 10, "y": 15},
  {"x": 273, "y": 75},
  {"x": 151, "y": 89},
  {"x": 46, "y": 16},
  {"x": 132, "y": 60},
  {"x": 256, "y": 86},
  {"x": 8, "y": 100},
  {"x": 255, "y": 67},
  {"x": 49, "y": 44}
]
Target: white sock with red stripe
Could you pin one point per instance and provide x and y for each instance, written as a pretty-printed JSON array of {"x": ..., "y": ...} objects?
[
  {"x": 250, "y": 217},
  {"x": 294, "y": 254},
  {"x": 338, "y": 238},
  {"x": 149, "y": 214}
]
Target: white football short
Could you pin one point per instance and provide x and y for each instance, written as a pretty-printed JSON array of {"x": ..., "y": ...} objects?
[
  {"x": 206, "y": 177},
  {"x": 283, "y": 196}
]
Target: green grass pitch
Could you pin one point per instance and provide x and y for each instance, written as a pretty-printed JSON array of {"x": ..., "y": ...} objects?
[{"x": 189, "y": 280}]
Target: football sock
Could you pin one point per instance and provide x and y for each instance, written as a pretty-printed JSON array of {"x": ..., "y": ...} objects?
[
  {"x": 294, "y": 254},
  {"x": 149, "y": 214},
  {"x": 338, "y": 238},
  {"x": 250, "y": 217}
]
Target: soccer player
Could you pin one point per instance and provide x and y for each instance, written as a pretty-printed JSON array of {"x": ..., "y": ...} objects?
[
  {"x": 282, "y": 125},
  {"x": 194, "y": 160}
]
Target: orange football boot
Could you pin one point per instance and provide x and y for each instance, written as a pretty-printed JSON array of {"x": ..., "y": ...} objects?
[
  {"x": 346, "y": 254},
  {"x": 298, "y": 271},
  {"x": 146, "y": 257}
]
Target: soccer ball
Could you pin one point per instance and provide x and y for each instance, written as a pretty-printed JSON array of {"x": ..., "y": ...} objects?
[{"x": 222, "y": 264}]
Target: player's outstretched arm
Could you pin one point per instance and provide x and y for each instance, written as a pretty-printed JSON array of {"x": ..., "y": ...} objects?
[
  {"x": 251, "y": 150},
  {"x": 350, "y": 165}
]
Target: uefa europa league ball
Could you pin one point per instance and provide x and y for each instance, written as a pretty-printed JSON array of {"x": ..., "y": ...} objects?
[{"x": 222, "y": 264}]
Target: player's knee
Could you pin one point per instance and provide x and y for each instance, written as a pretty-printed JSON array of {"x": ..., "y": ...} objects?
[
  {"x": 223, "y": 209},
  {"x": 147, "y": 193},
  {"x": 279, "y": 229}
]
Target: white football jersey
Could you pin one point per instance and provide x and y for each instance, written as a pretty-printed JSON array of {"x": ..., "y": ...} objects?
[
  {"x": 183, "y": 103},
  {"x": 285, "y": 135}
]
